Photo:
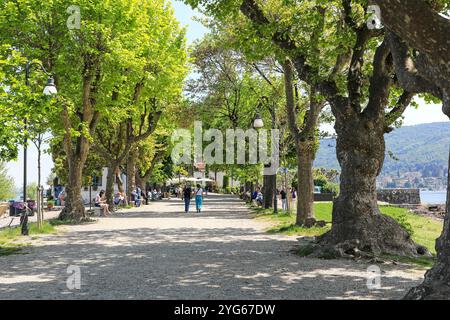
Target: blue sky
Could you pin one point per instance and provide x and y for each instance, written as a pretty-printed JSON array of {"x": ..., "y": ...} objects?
[
  {"x": 195, "y": 30},
  {"x": 185, "y": 14}
]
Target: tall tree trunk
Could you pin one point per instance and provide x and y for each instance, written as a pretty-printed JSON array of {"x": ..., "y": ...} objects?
[
  {"x": 437, "y": 280},
  {"x": 305, "y": 140},
  {"x": 110, "y": 179},
  {"x": 40, "y": 211},
  {"x": 74, "y": 206},
  {"x": 140, "y": 181},
  {"x": 356, "y": 218},
  {"x": 131, "y": 173},
  {"x": 305, "y": 184},
  {"x": 120, "y": 185},
  {"x": 269, "y": 185}
]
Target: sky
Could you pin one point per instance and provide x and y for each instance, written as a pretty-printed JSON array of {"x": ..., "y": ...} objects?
[{"x": 195, "y": 30}]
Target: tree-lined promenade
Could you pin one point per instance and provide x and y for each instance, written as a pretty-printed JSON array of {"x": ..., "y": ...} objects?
[
  {"x": 122, "y": 69},
  {"x": 157, "y": 252}
]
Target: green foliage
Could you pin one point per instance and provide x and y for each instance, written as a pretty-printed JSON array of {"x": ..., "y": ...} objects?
[
  {"x": 226, "y": 182},
  {"x": 32, "y": 191},
  {"x": 7, "y": 188},
  {"x": 326, "y": 179}
]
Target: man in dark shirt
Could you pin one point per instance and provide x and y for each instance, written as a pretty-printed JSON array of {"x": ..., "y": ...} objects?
[
  {"x": 187, "y": 193},
  {"x": 283, "y": 199}
]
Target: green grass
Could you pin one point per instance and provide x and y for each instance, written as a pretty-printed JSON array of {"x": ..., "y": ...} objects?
[
  {"x": 10, "y": 238},
  {"x": 423, "y": 230},
  {"x": 427, "y": 262}
]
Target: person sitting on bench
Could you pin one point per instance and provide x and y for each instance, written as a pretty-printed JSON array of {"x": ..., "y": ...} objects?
[{"x": 100, "y": 202}]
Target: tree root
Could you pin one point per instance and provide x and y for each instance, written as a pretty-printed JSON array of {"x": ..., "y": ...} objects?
[
  {"x": 312, "y": 222},
  {"x": 349, "y": 249}
]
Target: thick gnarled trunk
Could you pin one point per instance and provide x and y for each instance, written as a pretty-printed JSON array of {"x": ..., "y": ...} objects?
[
  {"x": 305, "y": 185},
  {"x": 269, "y": 185},
  {"x": 74, "y": 206},
  {"x": 357, "y": 220},
  {"x": 437, "y": 280}
]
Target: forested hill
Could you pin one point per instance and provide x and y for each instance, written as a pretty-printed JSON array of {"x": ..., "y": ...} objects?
[{"x": 421, "y": 148}]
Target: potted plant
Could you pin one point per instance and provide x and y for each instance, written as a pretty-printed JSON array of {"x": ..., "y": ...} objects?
[{"x": 50, "y": 204}]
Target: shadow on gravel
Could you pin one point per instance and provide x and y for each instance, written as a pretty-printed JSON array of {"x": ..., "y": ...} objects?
[{"x": 184, "y": 263}]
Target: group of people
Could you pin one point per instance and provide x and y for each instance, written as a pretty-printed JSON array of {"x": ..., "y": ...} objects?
[
  {"x": 137, "y": 196},
  {"x": 187, "y": 194},
  {"x": 258, "y": 197}
]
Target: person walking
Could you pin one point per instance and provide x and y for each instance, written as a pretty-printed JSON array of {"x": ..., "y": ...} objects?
[
  {"x": 199, "y": 198},
  {"x": 186, "y": 196},
  {"x": 283, "y": 200},
  {"x": 294, "y": 197}
]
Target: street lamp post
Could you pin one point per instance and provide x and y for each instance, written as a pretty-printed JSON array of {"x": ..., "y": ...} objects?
[{"x": 50, "y": 89}]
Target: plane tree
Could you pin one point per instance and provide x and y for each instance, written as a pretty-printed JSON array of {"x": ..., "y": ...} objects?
[
  {"x": 351, "y": 67},
  {"x": 419, "y": 38}
]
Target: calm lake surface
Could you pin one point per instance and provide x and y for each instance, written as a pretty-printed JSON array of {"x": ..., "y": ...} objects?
[{"x": 433, "y": 197}]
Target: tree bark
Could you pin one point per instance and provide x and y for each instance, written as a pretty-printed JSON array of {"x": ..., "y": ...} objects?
[
  {"x": 269, "y": 185},
  {"x": 74, "y": 206},
  {"x": 140, "y": 181},
  {"x": 356, "y": 216},
  {"x": 418, "y": 24},
  {"x": 421, "y": 26},
  {"x": 436, "y": 285},
  {"x": 305, "y": 147},
  {"x": 305, "y": 185},
  {"x": 120, "y": 185},
  {"x": 110, "y": 179},
  {"x": 131, "y": 173}
]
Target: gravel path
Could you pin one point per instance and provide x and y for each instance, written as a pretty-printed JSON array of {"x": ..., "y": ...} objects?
[{"x": 157, "y": 252}]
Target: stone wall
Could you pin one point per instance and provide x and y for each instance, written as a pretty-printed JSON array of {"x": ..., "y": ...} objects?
[
  {"x": 318, "y": 197},
  {"x": 399, "y": 196}
]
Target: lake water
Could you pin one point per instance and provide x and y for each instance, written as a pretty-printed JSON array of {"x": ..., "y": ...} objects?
[{"x": 433, "y": 197}]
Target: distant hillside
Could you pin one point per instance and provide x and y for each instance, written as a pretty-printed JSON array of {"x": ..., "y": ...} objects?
[{"x": 422, "y": 148}]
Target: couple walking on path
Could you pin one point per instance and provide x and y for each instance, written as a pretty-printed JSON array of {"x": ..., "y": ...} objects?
[{"x": 188, "y": 193}]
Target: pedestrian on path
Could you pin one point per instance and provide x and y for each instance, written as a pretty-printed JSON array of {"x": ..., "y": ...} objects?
[
  {"x": 283, "y": 200},
  {"x": 187, "y": 193},
  {"x": 199, "y": 198}
]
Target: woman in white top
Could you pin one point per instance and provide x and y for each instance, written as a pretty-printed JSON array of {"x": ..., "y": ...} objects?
[
  {"x": 199, "y": 198},
  {"x": 100, "y": 202}
]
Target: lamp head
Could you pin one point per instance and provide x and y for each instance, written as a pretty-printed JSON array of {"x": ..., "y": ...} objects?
[
  {"x": 50, "y": 88},
  {"x": 258, "y": 122}
]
